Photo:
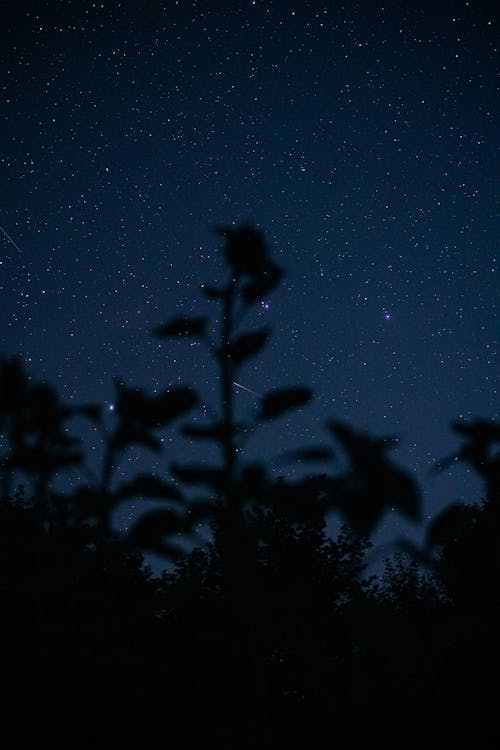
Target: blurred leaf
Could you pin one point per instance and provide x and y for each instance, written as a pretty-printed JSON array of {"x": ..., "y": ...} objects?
[
  {"x": 217, "y": 432},
  {"x": 182, "y": 327},
  {"x": 478, "y": 450},
  {"x": 128, "y": 434},
  {"x": 247, "y": 345},
  {"x": 199, "y": 512},
  {"x": 195, "y": 474},
  {"x": 253, "y": 480},
  {"x": 172, "y": 404},
  {"x": 86, "y": 500},
  {"x": 14, "y": 385},
  {"x": 212, "y": 292},
  {"x": 309, "y": 454},
  {"x": 481, "y": 430},
  {"x": 262, "y": 284},
  {"x": 359, "y": 445},
  {"x": 278, "y": 402},
  {"x": 245, "y": 249},
  {"x": 43, "y": 459},
  {"x": 92, "y": 411},
  {"x": 413, "y": 552},
  {"x": 448, "y": 524},
  {"x": 131, "y": 403},
  {"x": 374, "y": 484},
  {"x": 149, "y": 486},
  {"x": 139, "y": 415},
  {"x": 150, "y": 529}
]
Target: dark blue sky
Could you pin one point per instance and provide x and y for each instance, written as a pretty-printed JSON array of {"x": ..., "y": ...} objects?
[{"x": 362, "y": 137}]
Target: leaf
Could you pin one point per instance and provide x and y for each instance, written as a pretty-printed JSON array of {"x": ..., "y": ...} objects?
[
  {"x": 218, "y": 432},
  {"x": 139, "y": 415},
  {"x": 374, "y": 484},
  {"x": 200, "y": 512},
  {"x": 14, "y": 385},
  {"x": 212, "y": 292},
  {"x": 182, "y": 327},
  {"x": 151, "y": 528},
  {"x": 253, "y": 480},
  {"x": 260, "y": 286},
  {"x": 413, "y": 552},
  {"x": 479, "y": 449},
  {"x": 196, "y": 474},
  {"x": 131, "y": 403},
  {"x": 149, "y": 486},
  {"x": 245, "y": 248},
  {"x": 404, "y": 490},
  {"x": 309, "y": 454},
  {"x": 247, "y": 345},
  {"x": 91, "y": 411},
  {"x": 448, "y": 524},
  {"x": 278, "y": 402},
  {"x": 172, "y": 404},
  {"x": 130, "y": 433}
]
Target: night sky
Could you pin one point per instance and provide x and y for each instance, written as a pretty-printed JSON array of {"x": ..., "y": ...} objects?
[{"x": 360, "y": 136}]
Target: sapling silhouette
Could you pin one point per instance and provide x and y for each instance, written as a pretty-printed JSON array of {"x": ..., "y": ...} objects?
[
  {"x": 251, "y": 277},
  {"x": 466, "y": 536},
  {"x": 34, "y": 424},
  {"x": 363, "y": 493},
  {"x": 272, "y": 635},
  {"x": 138, "y": 417},
  {"x": 235, "y": 490}
]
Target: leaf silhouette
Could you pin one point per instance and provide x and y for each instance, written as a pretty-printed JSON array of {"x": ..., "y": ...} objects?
[
  {"x": 14, "y": 385},
  {"x": 149, "y": 486},
  {"x": 245, "y": 249},
  {"x": 150, "y": 530},
  {"x": 482, "y": 435},
  {"x": 309, "y": 454},
  {"x": 262, "y": 284},
  {"x": 139, "y": 415},
  {"x": 91, "y": 411},
  {"x": 247, "y": 345},
  {"x": 182, "y": 327},
  {"x": 212, "y": 293},
  {"x": 278, "y": 402},
  {"x": 196, "y": 474},
  {"x": 374, "y": 483},
  {"x": 172, "y": 404},
  {"x": 218, "y": 432},
  {"x": 448, "y": 524}
]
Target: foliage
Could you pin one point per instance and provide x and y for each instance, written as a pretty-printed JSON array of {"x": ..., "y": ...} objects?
[{"x": 271, "y": 635}]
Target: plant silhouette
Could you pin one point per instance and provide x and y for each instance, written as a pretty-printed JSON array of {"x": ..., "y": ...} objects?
[{"x": 271, "y": 635}]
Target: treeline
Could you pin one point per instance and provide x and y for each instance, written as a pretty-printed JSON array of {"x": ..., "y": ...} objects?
[{"x": 273, "y": 635}]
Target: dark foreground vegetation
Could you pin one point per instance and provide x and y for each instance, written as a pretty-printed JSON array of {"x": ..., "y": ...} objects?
[{"x": 271, "y": 636}]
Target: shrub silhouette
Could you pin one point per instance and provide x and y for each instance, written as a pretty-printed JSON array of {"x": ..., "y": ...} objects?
[
  {"x": 271, "y": 635},
  {"x": 362, "y": 494},
  {"x": 33, "y": 420}
]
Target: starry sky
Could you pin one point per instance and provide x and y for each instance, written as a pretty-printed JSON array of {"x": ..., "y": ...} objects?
[{"x": 362, "y": 137}]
